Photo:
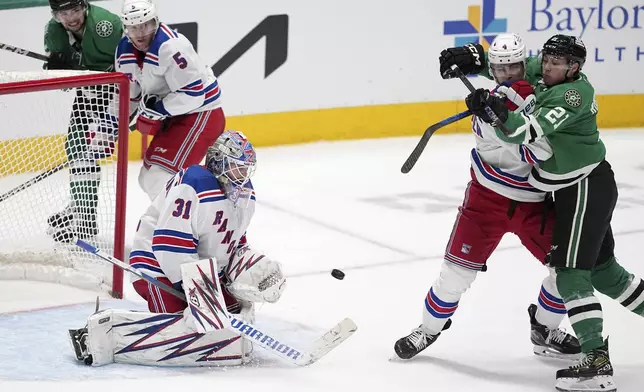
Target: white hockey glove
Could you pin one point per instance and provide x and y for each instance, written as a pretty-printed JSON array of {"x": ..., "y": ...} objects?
[
  {"x": 102, "y": 136},
  {"x": 254, "y": 277},
  {"x": 520, "y": 95}
]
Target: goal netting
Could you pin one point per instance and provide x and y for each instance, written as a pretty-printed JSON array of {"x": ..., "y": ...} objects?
[{"x": 63, "y": 170}]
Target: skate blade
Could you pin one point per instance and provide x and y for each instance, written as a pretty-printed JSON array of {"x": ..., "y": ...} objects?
[
  {"x": 595, "y": 384},
  {"x": 547, "y": 352}
]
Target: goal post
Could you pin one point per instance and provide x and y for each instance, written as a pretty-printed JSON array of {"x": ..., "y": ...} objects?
[{"x": 63, "y": 174}]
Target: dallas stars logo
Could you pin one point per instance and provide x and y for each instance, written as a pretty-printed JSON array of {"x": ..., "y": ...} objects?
[
  {"x": 104, "y": 28},
  {"x": 573, "y": 98}
]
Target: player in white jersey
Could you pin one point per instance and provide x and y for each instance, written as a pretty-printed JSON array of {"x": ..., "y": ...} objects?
[
  {"x": 203, "y": 213},
  {"x": 199, "y": 215},
  {"x": 498, "y": 200},
  {"x": 176, "y": 94}
]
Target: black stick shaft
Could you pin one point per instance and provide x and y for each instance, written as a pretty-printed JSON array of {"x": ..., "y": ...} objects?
[{"x": 24, "y": 52}]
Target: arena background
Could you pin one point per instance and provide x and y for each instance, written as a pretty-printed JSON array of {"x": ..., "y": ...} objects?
[{"x": 295, "y": 72}]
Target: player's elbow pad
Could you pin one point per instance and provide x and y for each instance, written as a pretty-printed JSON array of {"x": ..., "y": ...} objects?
[{"x": 254, "y": 277}]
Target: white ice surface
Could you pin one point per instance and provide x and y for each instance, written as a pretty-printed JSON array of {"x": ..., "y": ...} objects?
[{"x": 346, "y": 205}]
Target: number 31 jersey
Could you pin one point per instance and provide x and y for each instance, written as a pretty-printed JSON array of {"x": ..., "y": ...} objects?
[{"x": 192, "y": 220}]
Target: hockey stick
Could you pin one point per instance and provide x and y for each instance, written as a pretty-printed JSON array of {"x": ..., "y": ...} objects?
[
  {"x": 327, "y": 342},
  {"x": 422, "y": 143},
  {"x": 34, "y": 180},
  {"x": 496, "y": 122},
  {"x": 125, "y": 266},
  {"x": 24, "y": 52}
]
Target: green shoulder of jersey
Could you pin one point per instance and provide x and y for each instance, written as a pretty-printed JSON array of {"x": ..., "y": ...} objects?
[
  {"x": 103, "y": 31},
  {"x": 105, "y": 26},
  {"x": 566, "y": 116},
  {"x": 559, "y": 108}
]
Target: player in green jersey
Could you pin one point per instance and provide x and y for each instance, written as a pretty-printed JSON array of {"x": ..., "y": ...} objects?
[
  {"x": 81, "y": 36},
  {"x": 584, "y": 189}
]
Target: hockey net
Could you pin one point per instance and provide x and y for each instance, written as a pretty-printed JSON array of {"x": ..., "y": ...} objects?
[{"x": 63, "y": 172}]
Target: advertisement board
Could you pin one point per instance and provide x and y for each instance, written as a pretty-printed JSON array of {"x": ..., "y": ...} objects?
[{"x": 293, "y": 71}]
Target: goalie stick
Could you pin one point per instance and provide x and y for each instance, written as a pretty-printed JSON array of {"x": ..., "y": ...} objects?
[
  {"x": 24, "y": 52},
  {"x": 323, "y": 345}
]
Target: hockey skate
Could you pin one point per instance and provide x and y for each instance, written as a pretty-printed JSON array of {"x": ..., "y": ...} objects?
[
  {"x": 61, "y": 219},
  {"x": 552, "y": 343},
  {"x": 78, "y": 339},
  {"x": 64, "y": 227},
  {"x": 418, "y": 340},
  {"x": 594, "y": 373}
]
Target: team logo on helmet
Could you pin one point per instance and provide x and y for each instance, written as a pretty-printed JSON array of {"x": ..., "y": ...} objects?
[
  {"x": 104, "y": 28},
  {"x": 573, "y": 98}
]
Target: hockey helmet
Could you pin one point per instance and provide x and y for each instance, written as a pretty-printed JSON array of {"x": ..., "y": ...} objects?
[
  {"x": 135, "y": 12},
  {"x": 566, "y": 46},
  {"x": 507, "y": 49},
  {"x": 62, "y": 5},
  {"x": 232, "y": 158}
]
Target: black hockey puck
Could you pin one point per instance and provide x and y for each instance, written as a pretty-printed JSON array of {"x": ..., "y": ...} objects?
[{"x": 336, "y": 273}]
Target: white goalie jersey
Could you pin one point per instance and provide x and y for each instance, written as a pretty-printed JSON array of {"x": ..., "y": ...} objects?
[
  {"x": 171, "y": 71},
  {"x": 192, "y": 233},
  {"x": 192, "y": 220}
]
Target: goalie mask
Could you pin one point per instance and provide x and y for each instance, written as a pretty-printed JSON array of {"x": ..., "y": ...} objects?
[{"x": 232, "y": 160}]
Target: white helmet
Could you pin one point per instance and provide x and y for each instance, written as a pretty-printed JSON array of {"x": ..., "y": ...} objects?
[
  {"x": 135, "y": 12},
  {"x": 507, "y": 49}
]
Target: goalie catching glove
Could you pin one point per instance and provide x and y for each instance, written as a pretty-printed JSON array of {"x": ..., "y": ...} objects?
[{"x": 254, "y": 277}]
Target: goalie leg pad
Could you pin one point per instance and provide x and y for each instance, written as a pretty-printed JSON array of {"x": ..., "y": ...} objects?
[{"x": 160, "y": 339}]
